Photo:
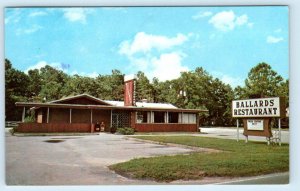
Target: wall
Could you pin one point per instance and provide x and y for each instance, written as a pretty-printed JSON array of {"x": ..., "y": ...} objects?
[
  {"x": 102, "y": 115},
  {"x": 165, "y": 127},
  {"x": 58, "y": 115},
  {"x": 81, "y": 116},
  {"x": 53, "y": 127}
]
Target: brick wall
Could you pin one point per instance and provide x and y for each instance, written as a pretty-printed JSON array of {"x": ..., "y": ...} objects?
[
  {"x": 53, "y": 127},
  {"x": 162, "y": 127}
]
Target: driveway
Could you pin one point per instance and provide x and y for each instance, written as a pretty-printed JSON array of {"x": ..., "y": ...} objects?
[
  {"x": 75, "y": 160},
  {"x": 231, "y": 133}
]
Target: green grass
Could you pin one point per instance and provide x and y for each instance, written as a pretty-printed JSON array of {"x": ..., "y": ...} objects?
[{"x": 240, "y": 159}]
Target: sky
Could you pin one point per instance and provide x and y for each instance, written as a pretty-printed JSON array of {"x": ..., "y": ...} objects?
[{"x": 160, "y": 41}]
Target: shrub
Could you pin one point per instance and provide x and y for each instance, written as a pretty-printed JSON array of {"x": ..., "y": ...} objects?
[
  {"x": 29, "y": 119},
  {"x": 125, "y": 131}
]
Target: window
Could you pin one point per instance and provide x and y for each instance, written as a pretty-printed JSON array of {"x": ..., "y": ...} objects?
[
  {"x": 159, "y": 117},
  {"x": 187, "y": 118},
  {"x": 173, "y": 117},
  {"x": 142, "y": 117}
]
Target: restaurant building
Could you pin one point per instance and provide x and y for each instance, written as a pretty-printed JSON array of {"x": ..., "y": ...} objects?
[{"x": 80, "y": 113}]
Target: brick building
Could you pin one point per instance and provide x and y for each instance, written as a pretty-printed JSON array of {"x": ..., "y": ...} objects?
[{"x": 80, "y": 114}]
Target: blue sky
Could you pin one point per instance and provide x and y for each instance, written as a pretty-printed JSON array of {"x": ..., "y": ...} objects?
[{"x": 160, "y": 41}]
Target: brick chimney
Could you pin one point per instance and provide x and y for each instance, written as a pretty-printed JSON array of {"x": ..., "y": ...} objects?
[{"x": 129, "y": 90}]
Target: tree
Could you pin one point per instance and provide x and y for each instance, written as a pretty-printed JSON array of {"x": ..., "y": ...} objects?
[
  {"x": 262, "y": 81},
  {"x": 16, "y": 83},
  {"x": 34, "y": 86},
  {"x": 144, "y": 90},
  {"x": 53, "y": 83},
  {"x": 110, "y": 87}
]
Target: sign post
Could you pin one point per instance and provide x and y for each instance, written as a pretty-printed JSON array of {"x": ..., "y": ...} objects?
[
  {"x": 279, "y": 129},
  {"x": 256, "y": 114},
  {"x": 237, "y": 130}
]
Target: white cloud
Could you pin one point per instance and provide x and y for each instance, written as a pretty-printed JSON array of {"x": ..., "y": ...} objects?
[
  {"x": 42, "y": 64},
  {"x": 227, "y": 20},
  {"x": 60, "y": 66},
  {"x": 91, "y": 75},
  {"x": 37, "y": 14},
  {"x": 241, "y": 20},
  {"x": 14, "y": 16},
  {"x": 232, "y": 81},
  {"x": 31, "y": 30},
  {"x": 143, "y": 42},
  {"x": 250, "y": 25},
  {"x": 76, "y": 14},
  {"x": 272, "y": 39},
  {"x": 155, "y": 55},
  {"x": 278, "y": 30},
  {"x": 168, "y": 66},
  {"x": 202, "y": 15}
]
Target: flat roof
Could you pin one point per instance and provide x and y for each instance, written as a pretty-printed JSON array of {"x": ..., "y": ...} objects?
[{"x": 79, "y": 106}]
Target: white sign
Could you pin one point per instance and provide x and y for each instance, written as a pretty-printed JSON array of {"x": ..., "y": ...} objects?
[
  {"x": 262, "y": 107},
  {"x": 254, "y": 124}
]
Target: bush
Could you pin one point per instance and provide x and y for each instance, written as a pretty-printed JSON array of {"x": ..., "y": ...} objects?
[
  {"x": 29, "y": 119},
  {"x": 125, "y": 131}
]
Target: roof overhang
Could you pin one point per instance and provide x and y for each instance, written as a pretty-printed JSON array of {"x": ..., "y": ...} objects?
[{"x": 103, "y": 107}]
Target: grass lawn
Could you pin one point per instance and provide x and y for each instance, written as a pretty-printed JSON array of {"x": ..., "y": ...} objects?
[{"x": 239, "y": 159}]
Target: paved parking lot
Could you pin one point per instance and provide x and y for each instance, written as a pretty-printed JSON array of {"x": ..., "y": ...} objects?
[
  {"x": 83, "y": 160},
  {"x": 75, "y": 160}
]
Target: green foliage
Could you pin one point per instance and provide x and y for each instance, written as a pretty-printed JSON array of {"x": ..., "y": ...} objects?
[
  {"x": 144, "y": 89},
  {"x": 239, "y": 159},
  {"x": 192, "y": 90},
  {"x": 262, "y": 80},
  {"x": 29, "y": 119},
  {"x": 125, "y": 131},
  {"x": 16, "y": 83}
]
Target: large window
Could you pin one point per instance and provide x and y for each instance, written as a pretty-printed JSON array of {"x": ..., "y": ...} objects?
[
  {"x": 159, "y": 117},
  {"x": 173, "y": 117},
  {"x": 165, "y": 117},
  {"x": 187, "y": 118},
  {"x": 143, "y": 117}
]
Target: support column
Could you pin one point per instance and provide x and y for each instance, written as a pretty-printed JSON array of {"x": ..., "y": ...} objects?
[
  {"x": 48, "y": 110},
  {"x": 237, "y": 130},
  {"x": 181, "y": 117},
  {"x": 111, "y": 118},
  {"x": 279, "y": 129},
  {"x": 23, "y": 115},
  {"x": 91, "y": 116},
  {"x": 167, "y": 117},
  {"x": 70, "y": 115}
]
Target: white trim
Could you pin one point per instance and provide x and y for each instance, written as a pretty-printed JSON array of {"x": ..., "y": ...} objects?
[
  {"x": 111, "y": 118},
  {"x": 23, "y": 114},
  {"x": 70, "y": 115},
  {"x": 91, "y": 116},
  {"x": 48, "y": 111},
  {"x": 78, "y": 96}
]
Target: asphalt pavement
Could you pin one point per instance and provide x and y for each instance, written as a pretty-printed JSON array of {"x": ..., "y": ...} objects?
[{"x": 84, "y": 160}]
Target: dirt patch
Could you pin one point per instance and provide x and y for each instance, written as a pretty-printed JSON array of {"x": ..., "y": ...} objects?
[{"x": 66, "y": 138}]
